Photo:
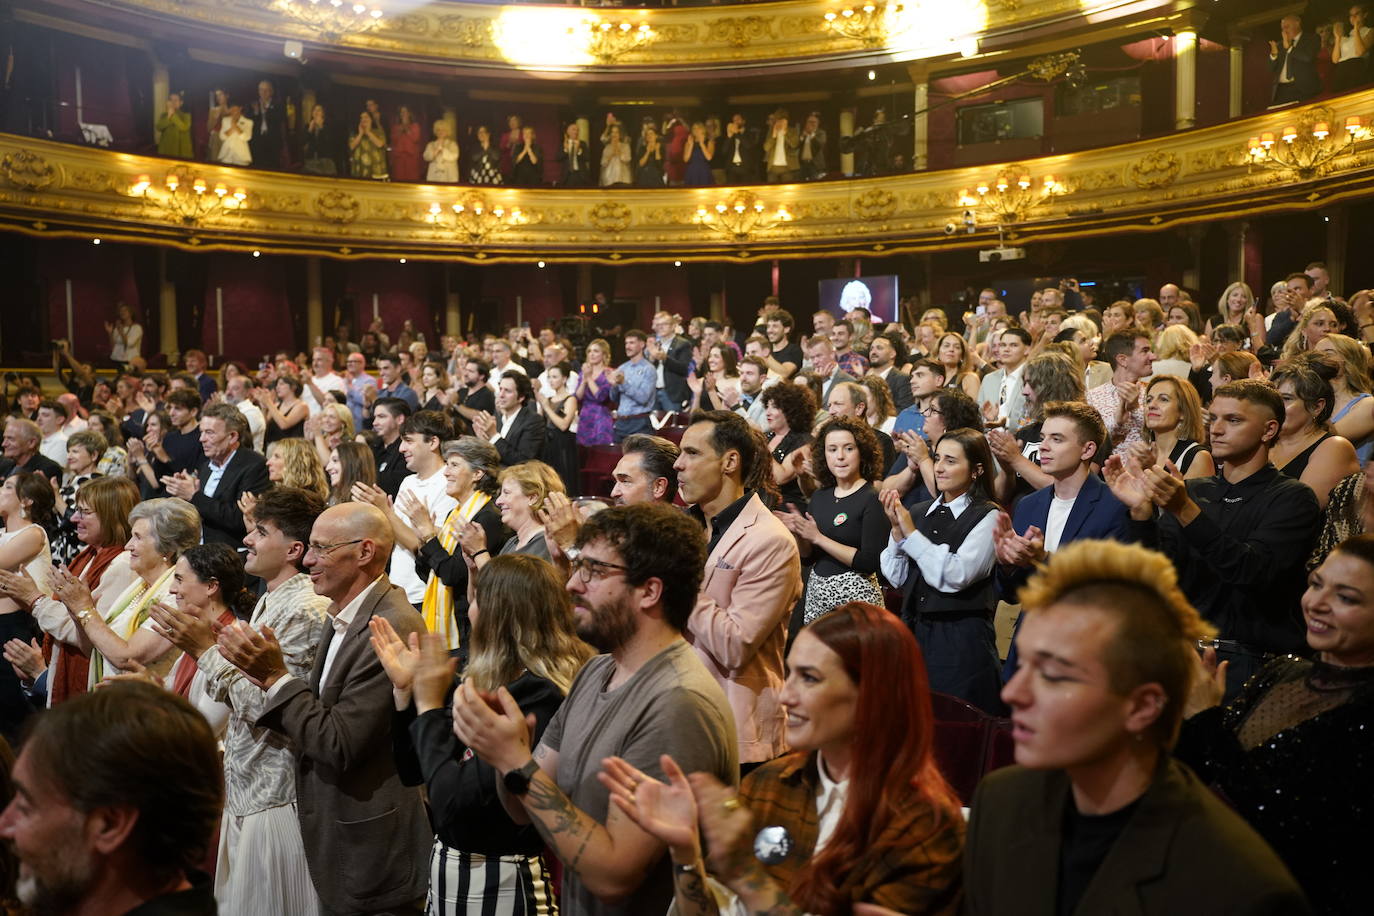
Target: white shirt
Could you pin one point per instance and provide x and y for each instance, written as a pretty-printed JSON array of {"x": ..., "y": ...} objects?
[
  {"x": 943, "y": 569},
  {"x": 54, "y": 448},
  {"x": 216, "y": 472},
  {"x": 1348, "y": 51},
  {"x": 1011, "y": 383},
  {"x": 494, "y": 380},
  {"x": 126, "y": 343},
  {"x": 503, "y": 424},
  {"x": 233, "y": 148},
  {"x": 1057, "y": 518},
  {"x": 326, "y": 383},
  {"x": 431, "y": 495},
  {"x": 257, "y": 423},
  {"x": 780, "y": 151},
  {"x": 339, "y": 625},
  {"x": 829, "y": 804}
]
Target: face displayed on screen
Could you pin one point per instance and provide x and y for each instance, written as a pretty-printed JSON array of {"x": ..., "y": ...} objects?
[{"x": 878, "y": 294}]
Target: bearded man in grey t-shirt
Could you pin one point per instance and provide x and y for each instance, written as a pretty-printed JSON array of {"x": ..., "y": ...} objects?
[{"x": 635, "y": 576}]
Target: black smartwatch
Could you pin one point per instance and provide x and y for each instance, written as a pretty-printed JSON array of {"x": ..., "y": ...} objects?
[{"x": 517, "y": 782}]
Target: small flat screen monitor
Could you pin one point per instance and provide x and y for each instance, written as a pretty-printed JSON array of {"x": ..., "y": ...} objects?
[{"x": 877, "y": 294}]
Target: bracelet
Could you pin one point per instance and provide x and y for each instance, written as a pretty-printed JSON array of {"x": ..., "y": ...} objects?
[{"x": 479, "y": 553}]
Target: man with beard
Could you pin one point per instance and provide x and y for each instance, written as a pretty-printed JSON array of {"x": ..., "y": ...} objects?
[
  {"x": 646, "y": 472},
  {"x": 115, "y": 797},
  {"x": 634, "y": 582}
]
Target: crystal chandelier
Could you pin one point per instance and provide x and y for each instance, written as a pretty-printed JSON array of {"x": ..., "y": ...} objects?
[
  {"x": 608, "y": 41},
  {"x": 332, "y": 19},
  {"x": 187, "y": 198},
  {"x": 1012, "y": 197},
  {"x": 739, "y": 216},
  {"x": 871, "y": 23},
  {"x": 473, "y": 217},
  {"x": 1307, "y": 146}
]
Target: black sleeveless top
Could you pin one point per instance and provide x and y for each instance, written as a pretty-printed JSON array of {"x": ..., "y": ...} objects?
[
  {"x": 1298, "y": 463},
  {"x": 938, "y": 528}
]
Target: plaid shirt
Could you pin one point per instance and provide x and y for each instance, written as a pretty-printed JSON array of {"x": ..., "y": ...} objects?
[{"x": 910, "y": 877}]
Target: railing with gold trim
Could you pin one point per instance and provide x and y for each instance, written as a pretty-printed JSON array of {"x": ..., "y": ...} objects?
[{"x": 55, "y": 189}]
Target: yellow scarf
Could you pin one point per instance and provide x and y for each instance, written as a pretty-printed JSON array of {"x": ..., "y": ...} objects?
[
  {"x": 437, "y": 605},
  {"x": 141, "y": 597}
]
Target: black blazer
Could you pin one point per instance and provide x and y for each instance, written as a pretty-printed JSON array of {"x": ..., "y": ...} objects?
[
  {"x": 675, "y": 364},
  {"x": 899, "y": 385},
  {"x": 526, "y": 437},
  {"x": 1302, "y": 65},
  {"x": 220, "y": 519},
  {"x": 269, "y": 134},
  {"x": 1182, "y": 851}
]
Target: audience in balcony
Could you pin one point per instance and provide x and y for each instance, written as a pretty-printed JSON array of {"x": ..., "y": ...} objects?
[
  {"x": 509, "y": 140},
  {"x": 442, "y": 155},
  {"x": 484, "y": 160},
  {"x": 649, "y": 164},
  {"x": 405, "y": 147},
  {"x": 1293, "y": 61},
  {"x": 213, "y": 122},
  {"x": 675, "y": 135},
  {"x": 575, "y": 160},
  {"x": 811, "y": 156},
  {"x": 740, "y": 154},
  {"x": 527, "y": 161},
  {"x": 367, "y": 147},
  {"x": 1350, "y": 51},
  {"x": 269, "y": 128},
  {"x": 321, "y": 148},
  {"x": 780, "y": 150},
  {"x": 697, "y": 155},
  {"x": 235, "y": 132},
  {"x": 174, "y": 130},
  {"x": 615, "y": 159}
]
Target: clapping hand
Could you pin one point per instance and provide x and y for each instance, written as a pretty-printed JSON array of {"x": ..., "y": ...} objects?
[
  {"x": 1201, "y": 353},
  {"x": 897, "y": 514},
  {"x": 26, "y": 659},
  {"x": 1024, "y": 550},
  {"x": 399, "y": 658},
  {"x": 1209, "y": 683},
  {"x": 248, "y": 501},
  {"x": 492, "y": 726},
  {"x": 801, "y": 525},
  {"x": 914, "y": 446},
  {"x": 434, "y": 670},
  {"x": 1127, "y": 483},
  {"x": 74, "y": 594},
  {"x": 182, "y": 484},
  {"x": 560, "y": 520},
  {"x": 483, "y": 425},
  {"x": 728, "y": 829},
  {"x": 1005, "y": 447},
  {"x": 189, "y": 633},
  {"x": 257, "y": 655},
  {"x": 371, "y": 494},
  {"x": 19, "y": 586},
  {"x": 417, "y": 514},
  {"x": 665, "y": 811},
  {"x": 472, "y": 538}
]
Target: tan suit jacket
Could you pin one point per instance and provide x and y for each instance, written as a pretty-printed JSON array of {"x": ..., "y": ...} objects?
[
  {"x": 739, "y": 626},
  {"x": 367, "y": 837}
]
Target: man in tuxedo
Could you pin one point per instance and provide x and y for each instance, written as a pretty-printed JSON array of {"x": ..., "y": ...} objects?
[
  {"x": 1293, "y": 61},
  {"x": 517, "y": 430},
  {"x": 741, "y": 152},
  {"x": 229, "y": 470},
  {"x": 671, "y": 354},
  {"x": 573, "y": 156},
  {"x": 882, "y": 362},
  {"x": 366, "y": 835},
  {"x": 269, "y": 128}
]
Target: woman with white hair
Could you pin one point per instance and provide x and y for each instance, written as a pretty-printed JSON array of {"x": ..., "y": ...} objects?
[{"x": 122, "y": 638}]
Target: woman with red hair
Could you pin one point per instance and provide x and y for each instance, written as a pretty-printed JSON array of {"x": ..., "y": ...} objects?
[{"x": 857, "y": 813}]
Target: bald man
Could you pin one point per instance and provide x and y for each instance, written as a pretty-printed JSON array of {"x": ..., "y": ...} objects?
[
  {"x": 366, "y": 835},
  {"x": 1169, "y": 295}
]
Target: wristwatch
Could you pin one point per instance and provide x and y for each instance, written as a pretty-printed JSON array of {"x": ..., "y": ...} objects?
[{"x": 517, "y": 782}]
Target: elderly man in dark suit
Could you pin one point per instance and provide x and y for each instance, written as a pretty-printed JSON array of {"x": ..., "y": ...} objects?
[
  {"x": 1097, "y": 815},
  {"x": 230, "y": 469},
  {"x": 1293, "y": 61},
  {"x": 269, "y": 128},
  {"x": 366, "y": 835},
  {"x": 517, "y": 429},
  {"x": 672, "y": 355}
]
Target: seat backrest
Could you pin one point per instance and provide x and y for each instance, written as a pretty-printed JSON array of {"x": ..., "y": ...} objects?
[{"x": 968, "y": 743}]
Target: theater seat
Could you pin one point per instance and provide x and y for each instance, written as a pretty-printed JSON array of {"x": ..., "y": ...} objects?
[
  {"x": 968, "y": 743},
  {"x": 673, "y": 433},
  {"x": 598, "y": 464}
]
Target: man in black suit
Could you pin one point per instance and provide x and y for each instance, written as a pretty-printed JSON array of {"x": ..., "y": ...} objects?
[
  {"x": 1097, "y": 811},
  {"x": 517, "y": 430},
  {"x": 365, "y": 833},
  {"x": 811, "y": 154},
  {"x": 1294, "y": 63},
  {"x": 269, "y": 128},
  {"x": 821, "y": 352},
  {"x": 882, "y": 362},
  {"x": 740, "y": 156},
  {"x": 673, "y": 355},
  {"x": 21, "y": 441},
  {"x": 230, "y": 469},
  {"x": 388, "y": 416}
]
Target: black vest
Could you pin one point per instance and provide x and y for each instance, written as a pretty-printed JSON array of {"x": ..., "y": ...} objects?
[{"x": 922, "y": 598}]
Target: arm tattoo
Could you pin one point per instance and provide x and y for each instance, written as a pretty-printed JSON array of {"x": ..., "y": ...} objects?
[
  {"x": 545, "y": 796},
  {"x": 691, "y": 889}
]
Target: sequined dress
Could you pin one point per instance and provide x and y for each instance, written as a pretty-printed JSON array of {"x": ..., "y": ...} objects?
[{"x": 1294, "y": 755}]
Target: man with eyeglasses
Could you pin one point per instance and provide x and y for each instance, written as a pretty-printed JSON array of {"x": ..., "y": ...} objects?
[
  {"x": 635, "y": 573},
  {"x": 366, "y": 835}
]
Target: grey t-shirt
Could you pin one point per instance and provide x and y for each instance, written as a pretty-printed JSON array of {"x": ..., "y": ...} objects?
[{"x": 672, "y": 705}]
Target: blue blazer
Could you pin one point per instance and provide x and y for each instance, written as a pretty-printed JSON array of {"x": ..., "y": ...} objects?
[{"x": 1096, "y": 515}]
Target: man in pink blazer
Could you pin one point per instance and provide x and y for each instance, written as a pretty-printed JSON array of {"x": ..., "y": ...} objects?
[{"x": 753, "y": 578}]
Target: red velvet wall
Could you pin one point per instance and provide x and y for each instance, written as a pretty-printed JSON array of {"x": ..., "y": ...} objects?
[
  {"x": 105, "y": 91},
  {"x": 256, "y": 316},
  {"x": 100, "y": 275},
  {"x": 402, "y": 290}
]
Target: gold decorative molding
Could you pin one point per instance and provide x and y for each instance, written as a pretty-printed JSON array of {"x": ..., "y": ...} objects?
[
  {"x": 536, "y": 37},
  {"x": 52, "y": 189}
]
